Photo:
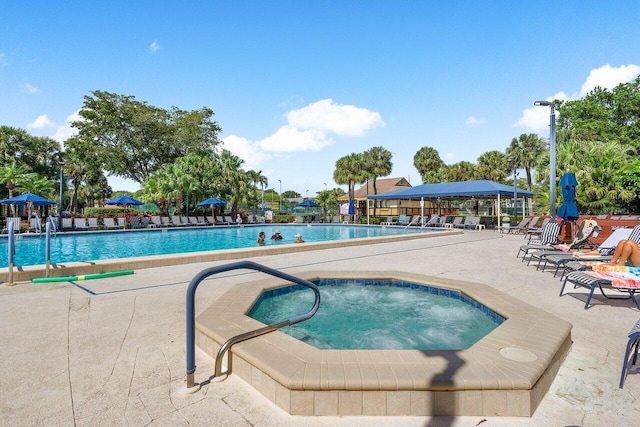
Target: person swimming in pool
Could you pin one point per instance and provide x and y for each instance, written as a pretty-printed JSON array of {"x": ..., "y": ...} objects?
[
  {"x": 261, "y": 237},
  {"x": 276, "y": 235},
  {"x": 299, "y": 238}
]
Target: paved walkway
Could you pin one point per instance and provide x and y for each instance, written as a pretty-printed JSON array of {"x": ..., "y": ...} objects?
[{"x": 112, "y": 351}]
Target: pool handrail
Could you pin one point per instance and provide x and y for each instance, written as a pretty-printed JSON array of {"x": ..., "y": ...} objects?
[{"x": 191, "y": 321}]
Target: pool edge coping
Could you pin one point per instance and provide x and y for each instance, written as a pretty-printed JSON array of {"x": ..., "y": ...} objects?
[{"x": 505, "y": 387}]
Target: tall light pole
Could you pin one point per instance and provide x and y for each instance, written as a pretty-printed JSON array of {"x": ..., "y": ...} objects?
[
  {"x": 187, "y": 208},
  {"x": 515, "y": 196},
  {"x": 307, "y": 195},
  {"x": 325, "y": 186},
  {"x": 552, "y": 155},
  {"x": 60, "y": 205},
  {"x": 262, "y": 202},
  {"x": 280, "y": 196}
]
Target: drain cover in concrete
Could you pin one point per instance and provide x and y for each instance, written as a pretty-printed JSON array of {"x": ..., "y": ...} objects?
[{"x": 518, "y": 354}]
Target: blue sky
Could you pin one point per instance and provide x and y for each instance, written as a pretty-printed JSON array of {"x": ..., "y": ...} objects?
[{"x": 295, "y": 85}]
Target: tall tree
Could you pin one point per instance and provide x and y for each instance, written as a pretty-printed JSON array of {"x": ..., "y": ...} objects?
[
  {"x": 429, "y": 164},
  {"x": 493, "y": 166},
  {"x": 349, "y": 172},
  {"x": 133, "y": 139},
  {"x": 377, "y": 163},
  {"x": 524, "y": 152},
  {"x": 605, "y": 115}
]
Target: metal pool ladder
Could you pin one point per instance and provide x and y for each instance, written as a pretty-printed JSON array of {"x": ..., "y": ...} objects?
[{"x": 191, "y": 386}]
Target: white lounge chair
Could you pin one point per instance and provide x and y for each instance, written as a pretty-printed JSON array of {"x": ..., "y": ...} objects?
[
  {"x": 109, "y": 223},
  {"x": 92, "y": 223},
  {"x": 67, "y": 223},
  {"x": 155, "y": 219},
  {"x": 80, "y": 224}
]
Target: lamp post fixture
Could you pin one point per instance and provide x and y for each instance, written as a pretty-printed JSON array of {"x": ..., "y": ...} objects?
[
  {"x": 325, "y": 186},
  {"x": 280, "y": 196},
  {"x": 307, "y": 198},
  {"x": 262, "y": 198},
  {"x": 552, "y": 155},
  {"x": 60, "y": 204}
]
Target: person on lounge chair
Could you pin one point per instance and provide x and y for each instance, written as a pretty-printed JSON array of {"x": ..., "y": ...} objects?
[{"x": 626, "y": 251}]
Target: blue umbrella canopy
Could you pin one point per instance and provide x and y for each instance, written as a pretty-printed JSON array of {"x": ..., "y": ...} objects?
[
  {"x": 308, "y": 204},
  {"x": 568, "y": 210},
  {"x": 124, "y": 201},
  {"x": 212, "y": 201},
  {"x": 23, "y": 199}
]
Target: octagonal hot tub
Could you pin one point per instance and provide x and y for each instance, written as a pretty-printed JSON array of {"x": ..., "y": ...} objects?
[{"x": 505, "y": 373}]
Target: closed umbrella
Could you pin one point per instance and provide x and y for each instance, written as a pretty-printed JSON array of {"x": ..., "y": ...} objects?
[{"x": 568, "y": 210}]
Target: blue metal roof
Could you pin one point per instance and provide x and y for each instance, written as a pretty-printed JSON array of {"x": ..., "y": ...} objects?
[{"x": 463, "y": 189}]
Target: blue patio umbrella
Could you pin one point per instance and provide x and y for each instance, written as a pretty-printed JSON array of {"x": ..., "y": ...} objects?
[
  {"x": 23, "y": 199},
  {"x": 568, "y": 210},
  {"x": 124, "y": 201},
  {"x": 308, "y": 204},
  {"x": 212, "y": 201}
]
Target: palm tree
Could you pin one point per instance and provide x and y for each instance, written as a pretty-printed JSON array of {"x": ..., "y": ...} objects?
[
  {"x": 428, "y": 162},
  {"x": 493, "y": 166},
  {"x": 327, "y": 199},
  {"x": 377, "y": 163},
  {"x": 524, "y": 153},
  {"x": 461, "y": 171},
  {"x": 11, "y": 175},
  {"x": 349, "y": 172}
]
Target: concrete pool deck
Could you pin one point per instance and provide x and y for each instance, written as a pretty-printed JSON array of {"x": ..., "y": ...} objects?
[{"x": 113, "y": 351}]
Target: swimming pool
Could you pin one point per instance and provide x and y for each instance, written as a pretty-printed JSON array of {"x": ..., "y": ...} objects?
[
  {"x": 95, "y": 246},
  {"x": 379, "y": 314}
]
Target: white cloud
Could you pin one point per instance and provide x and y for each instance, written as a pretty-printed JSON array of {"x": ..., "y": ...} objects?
[
  {"x": 65, "y": 131},
  {"x": 289, "y": 138},
  {"x": 248, "y": 151},
  {"x": 30, "y": 89},
  {"x": 308, "y": 129},
  {"x": 537, "y": 118},
  {"x": 154, "y": 47},
  {"x": 449, "y": 158},
  {"x": 41, "y": 122},
  {"x": 473, "y": 121},
  {"x": 325, "y": 115},
  {"x": 608, "y": 77}
]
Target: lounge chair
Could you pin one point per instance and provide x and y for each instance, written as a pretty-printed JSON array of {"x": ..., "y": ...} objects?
[
  {"x": 211, "y": 220},
  {"x": 67, "y": 223},
  {"x": 201, "y": 220},
  {"x": 533, "y": 232},
  {"x": 134, "y": 222},
  {"x": 122, "y": 222},
  {"x": 220, "y": 220},
  {"x": 228, "y": 219},
  {"x": 415, "y": 221},
  {"x": 586, "y": 230},
  {"x": 548, "y": 238},
  {"x": 570, "y": 263},
  {"x": 457, "y": 221},
  {"x": 389, "y": 221},
  {"x": 632, "y": 350},
  {"x": 109, "y": 223},
  {"x": 591, "y": 282},
  {"x": 175, "y": 221},
  {"x": 472, "y": 222},
  {"x": 403, "y": 220},
  {"x": 432, "y": 221},
  {"x": 193, "y": 221},
  {"x": 80, "y": 224},
  {"x": 155, "y": 219},
  {"x": 92, "y": 223},
  {"x": 520, "y": 227}
]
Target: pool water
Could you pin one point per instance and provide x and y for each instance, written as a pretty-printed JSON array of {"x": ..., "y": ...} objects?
[
  {"x": 93, "y": 246},
  {"x": 386, "y": 314}
]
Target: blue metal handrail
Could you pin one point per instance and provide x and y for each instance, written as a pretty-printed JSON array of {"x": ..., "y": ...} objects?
[{"x": 191, "y": 318}]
